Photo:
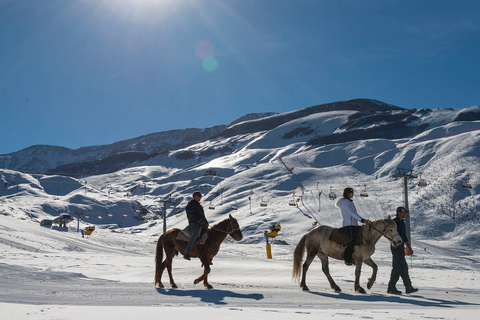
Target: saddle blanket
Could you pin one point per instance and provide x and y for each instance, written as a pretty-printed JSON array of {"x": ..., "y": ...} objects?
[
  {"x": 341, "y": 236},
  {"x": 184, "y": 235}
]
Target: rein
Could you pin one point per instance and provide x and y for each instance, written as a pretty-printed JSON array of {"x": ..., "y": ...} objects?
[
  {"x": 381, "y": 232},
  {"x": 227, "y": 232}
]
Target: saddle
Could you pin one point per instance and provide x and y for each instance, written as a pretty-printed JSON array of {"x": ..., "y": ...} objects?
[
  {"x": 184, "y": 235},
  {"x": 341, "y": 236}
]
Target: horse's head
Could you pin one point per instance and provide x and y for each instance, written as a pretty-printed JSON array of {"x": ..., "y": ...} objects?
[
  {"x": 234, "y": 229},
  {"x": 390, "y": 232}
]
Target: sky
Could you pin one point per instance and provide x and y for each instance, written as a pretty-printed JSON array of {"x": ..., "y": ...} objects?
[{"x": 79, "y": 73}]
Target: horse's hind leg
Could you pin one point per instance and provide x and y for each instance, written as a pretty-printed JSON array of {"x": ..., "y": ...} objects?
[
  {"x": 371, "y": 280},
  {"x": 168, "y": 262},
  {"x": 310, "y": 256},
  {"x": 324, "y": 258},
  {"x": 160, "y": 272}
]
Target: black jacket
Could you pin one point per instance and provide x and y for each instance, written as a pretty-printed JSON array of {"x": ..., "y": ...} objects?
[
  {"x": 401, "y": 228},
  {"x": 195, "y": 213}
]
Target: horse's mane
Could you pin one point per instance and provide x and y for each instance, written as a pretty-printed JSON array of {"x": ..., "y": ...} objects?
[{"x": 214, "y": 232}]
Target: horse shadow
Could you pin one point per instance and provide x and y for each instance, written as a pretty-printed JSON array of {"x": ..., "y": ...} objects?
[
  {"x": 410, "y": 300},
  {"x": 215, "y": 296}
]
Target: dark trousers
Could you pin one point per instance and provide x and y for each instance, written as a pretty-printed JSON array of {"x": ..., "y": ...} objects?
[
  {"x": 195, "y": 231},
  {"x": 399, "y": 268},
  {"x": 351, "y": 231}
]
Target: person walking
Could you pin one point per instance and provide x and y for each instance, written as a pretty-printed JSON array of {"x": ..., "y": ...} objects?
[
  {"x": 350, "y": 221},
  {"x": 196, "y": 221},
  {"x": 399, "y": 264}
]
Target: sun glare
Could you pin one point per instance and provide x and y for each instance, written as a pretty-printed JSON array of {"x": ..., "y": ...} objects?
[{"x": 142, "y": 11}]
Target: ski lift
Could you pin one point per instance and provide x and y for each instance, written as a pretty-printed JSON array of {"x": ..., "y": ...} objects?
[
  {"x": 332, "y": 194},
  {"x": 211, "y": 206},
  {"x": 87, "y": 217},
  {"x": 100, "y": 217},
  {"x": 292, "y": 202},
  {"x": 125, "y": 215},
  {"x": 422, "y": 183},
  {"x": 263, "y": 203},
  {"x": 466, "y": 184},
  {"x": 234, "y": 207},
  {"x": 110, "y": 215},
  {"x": 364, "y": 192}
]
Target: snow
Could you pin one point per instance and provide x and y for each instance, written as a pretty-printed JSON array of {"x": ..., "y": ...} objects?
[{"x": 55, "y": 273}]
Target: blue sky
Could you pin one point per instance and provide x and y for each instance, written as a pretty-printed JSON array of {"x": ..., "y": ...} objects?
[{"x": 77, "y": 73}]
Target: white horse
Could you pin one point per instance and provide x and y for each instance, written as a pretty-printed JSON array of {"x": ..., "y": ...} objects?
[{"x": 317, "y": 243}]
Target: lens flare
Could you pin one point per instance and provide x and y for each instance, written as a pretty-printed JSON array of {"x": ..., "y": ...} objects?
[
  {"x": 204, "y": 50},
  {"x": 210, "y": 64}
]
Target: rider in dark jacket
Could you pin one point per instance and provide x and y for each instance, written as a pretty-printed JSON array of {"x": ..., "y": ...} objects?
[{"x": 196, "y": 221}]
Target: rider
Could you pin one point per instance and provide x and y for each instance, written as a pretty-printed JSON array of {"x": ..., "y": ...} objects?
[
  {"x": 350, "y": 221},
  {"x": 196, "y": 221}
]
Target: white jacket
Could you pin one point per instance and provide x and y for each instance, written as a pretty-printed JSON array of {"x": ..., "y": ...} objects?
[{"x": 349, "y": 212}]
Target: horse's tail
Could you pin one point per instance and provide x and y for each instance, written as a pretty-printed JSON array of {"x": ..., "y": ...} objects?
[
  {"x": 158, "y": 261},
  {"x": 298, "y": 258}
]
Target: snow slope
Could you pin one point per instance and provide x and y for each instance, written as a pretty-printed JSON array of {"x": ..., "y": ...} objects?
[{"x": 54, "y": 273}]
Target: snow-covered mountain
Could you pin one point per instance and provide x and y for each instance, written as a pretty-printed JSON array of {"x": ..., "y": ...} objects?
[{"x": 299, "y": 157}]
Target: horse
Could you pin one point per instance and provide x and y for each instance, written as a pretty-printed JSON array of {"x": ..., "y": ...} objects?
[
  {"x": 205, "y": 252},
  {"x": 317, "y": 243}
]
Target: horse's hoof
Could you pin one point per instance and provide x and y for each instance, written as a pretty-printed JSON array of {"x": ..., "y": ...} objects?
[
  {"x": 369, "y": 286},
  {"x": 361, "y": 290},
  {"x": 160, "y": 285},
  {"x": 196, "y": 281},
  {"x": 305, "y": 288},
  {"x": 174, "y": 286},
  {"x": 337, "y": 289},
  {"x": 209, "y": 286}
]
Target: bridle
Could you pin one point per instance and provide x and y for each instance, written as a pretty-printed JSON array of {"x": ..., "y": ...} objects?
[
  {"x": 381, "y": 232},
  {"x": 227, "y": 232}
]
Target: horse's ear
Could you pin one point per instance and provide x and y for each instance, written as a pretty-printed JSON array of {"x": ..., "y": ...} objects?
[
  {"x": 230, "y": 217},
  {"x": 389, "y": 218}
]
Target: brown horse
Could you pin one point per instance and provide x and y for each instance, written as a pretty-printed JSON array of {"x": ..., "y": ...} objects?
[
  {"x": 216, "y": 235},
  {"x": 317, "y": 243}
]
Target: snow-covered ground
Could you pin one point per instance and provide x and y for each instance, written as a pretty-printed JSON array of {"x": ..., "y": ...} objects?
[{"x": 52, "y": 274}]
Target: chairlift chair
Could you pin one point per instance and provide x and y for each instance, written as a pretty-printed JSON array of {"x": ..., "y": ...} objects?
[
  {"x": 364, "y": 192},
  {"x": 466, "y": 184},
  {"x": 332, "y": 195},
  {"x": 263, "y": 203},
  {"x": 211, "y": 206},
  {"x": 234, "y": 207},
  {"x": 422, "y": 183}
]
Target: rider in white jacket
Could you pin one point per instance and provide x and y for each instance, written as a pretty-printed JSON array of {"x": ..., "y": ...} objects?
[{"x": 350, "y": 221}]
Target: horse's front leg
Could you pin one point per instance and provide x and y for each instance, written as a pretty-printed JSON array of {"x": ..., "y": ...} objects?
[
  {"x": 207, "y": 270},
  {"x": 371, "y": 280},
  {"x": 358, "y": 271},
  {"x": 203, "y": 277}
]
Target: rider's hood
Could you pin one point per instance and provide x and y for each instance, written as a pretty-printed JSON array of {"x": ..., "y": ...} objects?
[{"x": 337, "y": 203}]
